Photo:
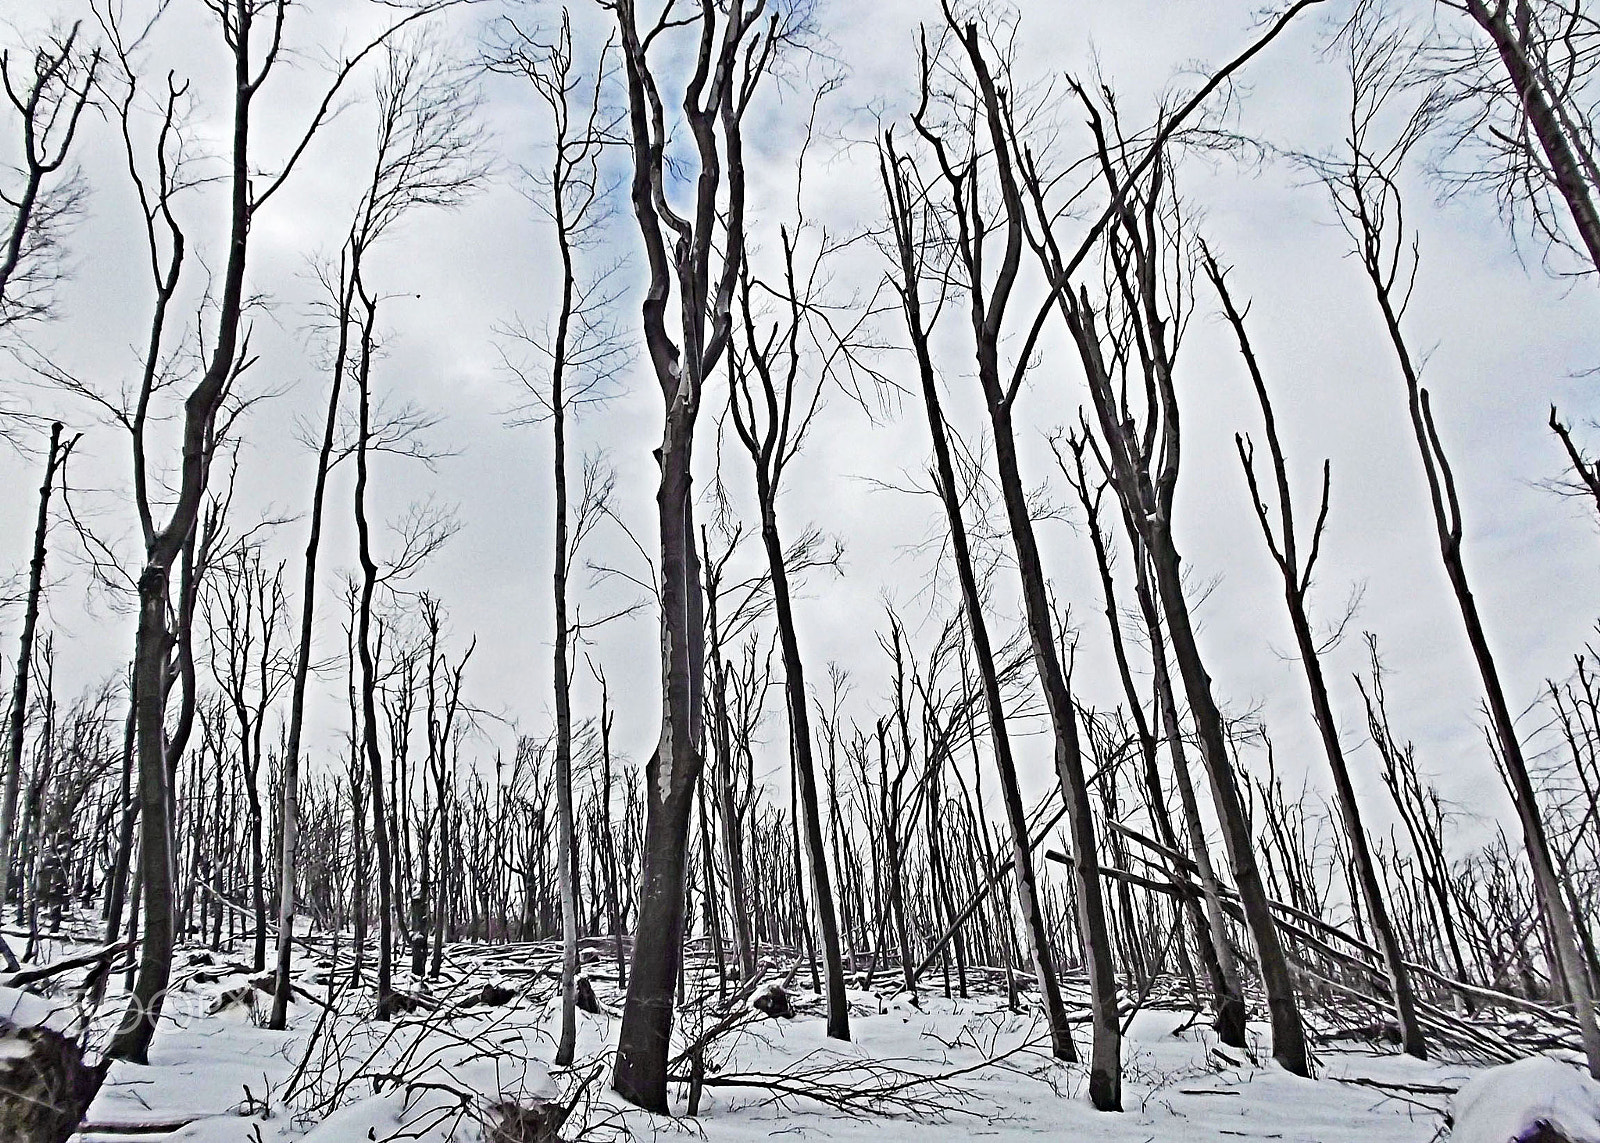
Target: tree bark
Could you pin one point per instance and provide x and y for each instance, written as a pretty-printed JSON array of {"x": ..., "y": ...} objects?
[
  {"x": 288, "y": 866},
  {"x": 369, "y": 680}
]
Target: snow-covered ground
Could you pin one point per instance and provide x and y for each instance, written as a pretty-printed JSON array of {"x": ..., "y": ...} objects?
[{"x": 944, "y": 1070}]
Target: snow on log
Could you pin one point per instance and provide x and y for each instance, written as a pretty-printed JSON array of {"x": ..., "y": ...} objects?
[{"x": 1537, "y": 1100}]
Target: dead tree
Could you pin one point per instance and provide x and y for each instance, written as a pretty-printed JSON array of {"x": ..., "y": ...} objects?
[
  {"x": 735, "y": 44},
  {"x": 1586, "y": 470},
  {"x": 245, "y": 615},
  {"x": 1208, "y": 919},
  {"x": 49, "y": 103},
  {"x": 1145, "y": 304},
  {"x": 1522, "y": 102},
  {"x": 249, "y": 190},
  {"x": 17, "y": 720},
  {"x": 914, "y": 237},
  {"x": 1363, "y": 184},
  {"x": 425, "y": 153},
  {"x": 1134, "y": 170},
  {"x": 1286, "y": 553},
  {"x": 421, "y": 531},
  {"x": 582, "y": 354},
  {"x": 961, "y": 168},
  {"x": 774, "y": 399}
]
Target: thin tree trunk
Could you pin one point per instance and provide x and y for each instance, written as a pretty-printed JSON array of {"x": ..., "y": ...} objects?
[
  {"x": 1296, "y": 583},
  {"x": 898, "y": 191},
  {"x": 288, "y": 866},
  {"x": 17, "y": 726},
  {"x": 1447, "y": 520},
  {"x": 567, "y": 842},
  {"x": 369, "y": 682}
]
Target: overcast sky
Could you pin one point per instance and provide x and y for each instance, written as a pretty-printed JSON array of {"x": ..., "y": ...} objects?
[{"x": 1503, "y": 340}]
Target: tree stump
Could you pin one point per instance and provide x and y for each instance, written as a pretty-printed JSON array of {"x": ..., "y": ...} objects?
[
  {"x": 536, "y": 1122},
  {"x": 585, "y": 998}
]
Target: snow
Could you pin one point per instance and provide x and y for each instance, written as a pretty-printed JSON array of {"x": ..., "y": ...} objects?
[
  {"x": 1180, "y": 1084},
  {"x": 1508, "y": 1103},
  {"x": 26, "y": 1010},
  {"x": 940, "y": 1069}
]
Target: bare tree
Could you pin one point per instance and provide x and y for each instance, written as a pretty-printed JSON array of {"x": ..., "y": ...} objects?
[
  {"x": 915, "y": 237},
  {"x": 1363, "y": 184},
  {"x": 1297, "y": 573},
  {"x": 1587, "y": 471},
  {"x": 735, "y": 45},
  {"x": 961, "y": 165},
  {"x": 49, "y": 103},
  {"x": 16, "y": 724},
  {"x": 582, "y": 355},
  {"x": 1519, "y": 104},
  {"x": 249, "y": 190},
  {"x": 426, "y": 152},
  {"x": 774, "y": 396},
  {"x": 1147, "y": 302}
]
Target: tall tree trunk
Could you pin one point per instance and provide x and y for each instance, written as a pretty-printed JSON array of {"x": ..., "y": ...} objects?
[
  {"x": 794, "y": 687},
  {"x": 898, "y": 191},
  {"x": 988, "y": 304},
  {"x": 567, "y": 841},
  {"x": 1207, "y": 921},
  {"x": 369, "y": 680},
  {"x": 645, "y": 1042},
  {"x": 17, "y": 726},
  {"x": 716, "y": 94},
  {"x": 1296, "y": 583},
  {"x": 288, "y": 865},
  {"x": 163, "y": 546},
  {"x": 1288, "y": 1033},
  {"x": 1448, "y": 524},
  {"x": 1105, "y": 1067}
]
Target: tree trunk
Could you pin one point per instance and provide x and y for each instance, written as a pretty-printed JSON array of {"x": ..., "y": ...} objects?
[
  {"x": 1296, "y": 582},
  {"x": 644, "y": 1045},
  {"x": 288, "y": 867},
  {"x": 567, "y": 841},
  {"x": 369, "y": 680},
  {"x": 1027, "y": 889},
  {"x": 17, "y": 726},
  {"x": 805, "y": 770},
  {"x": 1573, "y": 176}
]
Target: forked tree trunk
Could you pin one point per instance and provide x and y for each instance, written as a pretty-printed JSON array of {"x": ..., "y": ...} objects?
[
  {"x": 716, "y": 94},
  {"x": 1207, "y": 920},
  {"x": 988, "y": 314},
  {"x": 1296, "y": 583},
  {"x": 1448, "y": 524}
]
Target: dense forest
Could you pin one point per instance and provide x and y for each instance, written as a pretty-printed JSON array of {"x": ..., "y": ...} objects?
[{"x": 841, "y": 642}]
